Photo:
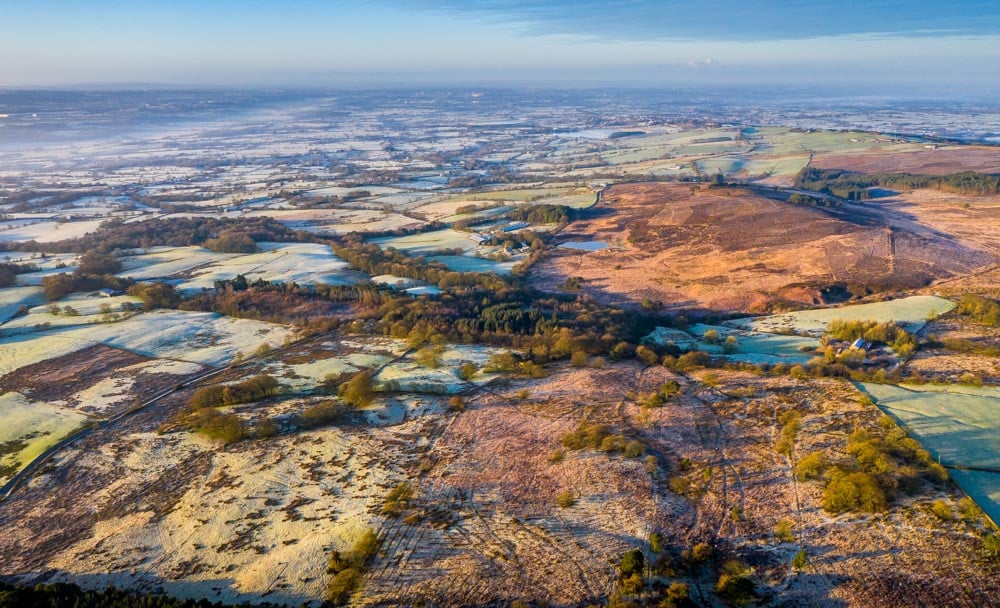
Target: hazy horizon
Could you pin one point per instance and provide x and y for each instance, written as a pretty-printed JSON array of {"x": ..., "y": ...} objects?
[{"x": 643, "y": 43}]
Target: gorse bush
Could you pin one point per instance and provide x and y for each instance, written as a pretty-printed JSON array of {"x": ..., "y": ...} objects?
[
  {"x": 980, "y": 309},
  {"x": 251, "y": 389},
  {"x": 348, "y": 568}
]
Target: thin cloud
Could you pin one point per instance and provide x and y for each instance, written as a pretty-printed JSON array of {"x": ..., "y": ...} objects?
[{"x": 729, "y": 19}]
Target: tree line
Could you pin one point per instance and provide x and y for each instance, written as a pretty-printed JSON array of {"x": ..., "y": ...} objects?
[
  {"x": 225, "y": 235},
  {"x": 855, "y": 186}
]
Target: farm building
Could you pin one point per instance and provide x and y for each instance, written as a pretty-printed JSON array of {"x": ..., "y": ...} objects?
[{"x": 861, "y": 344}]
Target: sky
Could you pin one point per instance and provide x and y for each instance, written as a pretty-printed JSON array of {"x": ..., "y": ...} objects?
[{"x": 927, "y": 43}]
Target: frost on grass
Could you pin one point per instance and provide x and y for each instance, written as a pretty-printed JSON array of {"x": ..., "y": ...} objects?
[
  {"x": 961, "y": 425},
  {"x": 302, "y": 263},
  {"x": 911, "y": 313},
  {"x": 13, "y": 298},
  {"x": 29, "y": 428}
]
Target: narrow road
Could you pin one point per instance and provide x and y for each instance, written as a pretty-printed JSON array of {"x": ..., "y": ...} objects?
[{"x": 32, "y": 469}]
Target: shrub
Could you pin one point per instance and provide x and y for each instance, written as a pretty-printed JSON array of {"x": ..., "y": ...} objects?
[
  {"x": 730, "y": 345},
  {"x": 358, "y": 390},
  {"x": 800, "y": 560},
  {"x": 783, "y": 530},
  {"x": 646, "y": 355},
  {"x": 326, "y": 412},
  {"x": 969, "y": 510},
  {"x": 941, "y": 509},
  {"x": 991, "y": 546},
  {"x": 700, "y": 553},
  {"x": 398, "y": 499},
  {"x": 634, "y": 449},
  {"x": 456, "y": 404},
  {"x": 430, "y": 357},
  {"x": 565, "y": 500},
  {"x": 342, "y": 586},
  {"x": 680, "y": 485},
  {"x": 677, "y": 594},
  {"x": 970, "y": 379},
  {"x": 811, "y": 466},
  {"x": 467, "y": 371},
  {"x": 266, "y": 428},
  {"x": 586, "y": 435},
  {"x": 227, "y": 428},
  {"x": 579, "y": 358},
  {"x": 858, "y": 491},
  {"x": 656, "y": 542},
  {"x": 633, "y": 562},
  {"x": 692, "y": 360},
  {"x": 735, "y": 588},
  {"x": 249, "y": 390}
]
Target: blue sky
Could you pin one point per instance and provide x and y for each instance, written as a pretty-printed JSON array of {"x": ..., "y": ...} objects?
[{"x": 315, "y": 42}]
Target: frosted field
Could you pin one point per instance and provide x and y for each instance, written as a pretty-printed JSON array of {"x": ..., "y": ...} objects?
[
  {"x": 114, "y": 392},
  {"x": 23, "y": 350},
  {"x": 164, "y": 262},
  {"x": 296, "y": 519},
  {"x": 757, "y": 347},
  {"x": 345, "y": 356},
  {"x": 664, "y": 335},
  {"x": 50, "y": 262},
  {"x": 195, "y": 337},
  {"x": 338, "y": 221},
  {"x": 39, "y": 319},
  {"x": 469, "y": 263},
  {"x": 407, "y": 375},
  {"x": 38, "y": 424},
  {"x": 428, "y": 242},
  {"x": 50, "y": 231},
  {"x": 395, "y": 282},
  {"x": 912, "y": 313},
  {"x": 525, "y": 195},
  {"x": 961, "y": 424},
  {"x": 302, "y": 263},
  {"x": 341, "y": 190},
  {"x": 13, "y": 298}
]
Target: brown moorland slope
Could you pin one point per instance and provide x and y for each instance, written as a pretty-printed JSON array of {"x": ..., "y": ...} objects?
[
  {"x": 257, "y": 520},
  {"x": 730, "y": 249},
  {"x": 983, "y": 159}
]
